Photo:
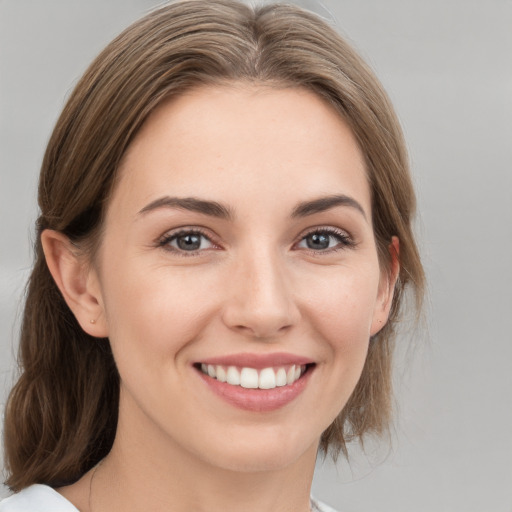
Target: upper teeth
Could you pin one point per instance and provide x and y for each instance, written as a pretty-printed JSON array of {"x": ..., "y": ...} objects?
[{"x": 267, "y": 378}]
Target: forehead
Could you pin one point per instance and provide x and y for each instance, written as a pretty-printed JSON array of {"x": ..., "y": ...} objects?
[{"x": 240, "y": 139}]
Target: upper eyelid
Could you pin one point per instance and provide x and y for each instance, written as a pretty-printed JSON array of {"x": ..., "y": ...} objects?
[
  {"x": 164, "y": 242},
  {"x": 348, "y": 241},
  {"x": 328, "y": 229},
  {"x": 171, "y": 233}
]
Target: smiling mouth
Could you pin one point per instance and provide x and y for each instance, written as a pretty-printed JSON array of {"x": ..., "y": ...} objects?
[{"x": 251, "y": 378}]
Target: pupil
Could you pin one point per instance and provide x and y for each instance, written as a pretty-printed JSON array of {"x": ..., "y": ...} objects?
[
  {"x": 318, "y": 241},
  {"x": 189, "y": 242}
]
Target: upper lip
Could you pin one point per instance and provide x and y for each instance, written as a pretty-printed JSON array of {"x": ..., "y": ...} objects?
[{"x": 258, "y": 361}]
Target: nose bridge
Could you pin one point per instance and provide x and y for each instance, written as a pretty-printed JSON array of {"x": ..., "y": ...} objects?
[{"x": 260, "y": 302}]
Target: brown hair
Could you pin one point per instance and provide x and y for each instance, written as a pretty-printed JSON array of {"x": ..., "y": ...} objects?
[{"x": 61, "y": 415}]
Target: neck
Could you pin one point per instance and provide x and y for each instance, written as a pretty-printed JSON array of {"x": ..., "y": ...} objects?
[
  {"x": 154, "y": 473},
  {"x": 181, "y": 484}
]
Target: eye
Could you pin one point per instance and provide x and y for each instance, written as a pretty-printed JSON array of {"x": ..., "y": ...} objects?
[
  {"x": 189, "y": 241},
  {"x": 325, "y": 240}
]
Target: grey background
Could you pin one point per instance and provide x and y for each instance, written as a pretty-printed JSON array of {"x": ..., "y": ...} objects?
[{"x": 447, "y": 67}]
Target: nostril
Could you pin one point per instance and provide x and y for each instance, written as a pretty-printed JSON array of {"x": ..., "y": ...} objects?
[{"x": 263, "y": 329}]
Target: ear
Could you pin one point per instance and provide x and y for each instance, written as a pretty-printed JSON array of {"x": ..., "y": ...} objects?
[
  {"x": 386, "y": 288},
  {"x": 77, "y": 281}
]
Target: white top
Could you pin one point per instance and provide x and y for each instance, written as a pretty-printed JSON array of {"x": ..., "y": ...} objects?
[
  {"x": 41, "y": 498},
  {"x": 37, "y": 498}
]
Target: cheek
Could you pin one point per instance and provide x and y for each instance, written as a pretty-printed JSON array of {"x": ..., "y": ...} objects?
[
  {"x": 152, "y": 315},
  {"x": 343, "y": 318},
  {"x": 341, "y": 306}
]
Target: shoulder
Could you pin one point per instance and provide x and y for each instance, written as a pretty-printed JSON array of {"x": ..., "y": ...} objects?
[
  {"x": 316, "y": 506},
  {"x": 37, "y": 498}
]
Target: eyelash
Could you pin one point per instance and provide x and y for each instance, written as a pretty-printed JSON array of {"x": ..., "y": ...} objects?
[
  {"x": 164, "y": 241},
  {"x": 345, "y": 241}
]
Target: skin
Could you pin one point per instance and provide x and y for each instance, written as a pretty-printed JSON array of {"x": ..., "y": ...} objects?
[{"x": 254, "y": 286}]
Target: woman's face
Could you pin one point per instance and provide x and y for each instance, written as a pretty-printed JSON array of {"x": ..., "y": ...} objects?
[{"x": 238, "y": 246}]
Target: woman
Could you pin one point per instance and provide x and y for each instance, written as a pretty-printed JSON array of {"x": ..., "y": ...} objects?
[{"x": 223, "y": 246}]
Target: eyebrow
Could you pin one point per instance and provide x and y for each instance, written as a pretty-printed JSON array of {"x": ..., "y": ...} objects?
[
  {"x": 215, "y": 209},
  {"x": 211, "y": 208},
  {"x": 323, "y": 204}
]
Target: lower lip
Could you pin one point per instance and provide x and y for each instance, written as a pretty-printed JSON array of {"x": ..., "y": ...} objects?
[{"x": 257, "y": 400}]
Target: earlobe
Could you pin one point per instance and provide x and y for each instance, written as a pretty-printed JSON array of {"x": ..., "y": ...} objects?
[
  {"x": 77, "y": 282},
  {"x": 387, "y": 288}
]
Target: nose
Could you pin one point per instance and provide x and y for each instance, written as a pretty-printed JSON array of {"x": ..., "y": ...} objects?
[{"x": 260, "y": 301}]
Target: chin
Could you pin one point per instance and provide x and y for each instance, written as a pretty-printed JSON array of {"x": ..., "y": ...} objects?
[{"x": 261, "y": 453}]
